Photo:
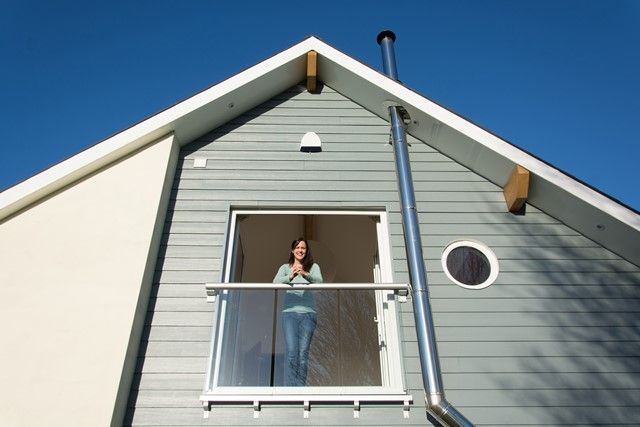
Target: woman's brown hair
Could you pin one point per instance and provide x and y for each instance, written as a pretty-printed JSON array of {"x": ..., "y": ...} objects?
[{"x": 307, "y": 261}]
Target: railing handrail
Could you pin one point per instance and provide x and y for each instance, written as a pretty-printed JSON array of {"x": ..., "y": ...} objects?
[{"x": 403, "y": 289}]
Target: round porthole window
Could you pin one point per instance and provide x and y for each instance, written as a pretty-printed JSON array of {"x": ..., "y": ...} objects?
[{"x": 470, "y": 264}]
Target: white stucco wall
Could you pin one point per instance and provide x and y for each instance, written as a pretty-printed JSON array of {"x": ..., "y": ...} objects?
[{"x": 71, "y": 273}]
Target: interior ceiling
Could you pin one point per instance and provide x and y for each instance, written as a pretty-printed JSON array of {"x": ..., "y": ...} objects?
[{"x": 343, "y": 245}]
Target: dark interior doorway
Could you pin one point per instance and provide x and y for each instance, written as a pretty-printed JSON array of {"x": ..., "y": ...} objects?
[{"x": 345, "y": 349}]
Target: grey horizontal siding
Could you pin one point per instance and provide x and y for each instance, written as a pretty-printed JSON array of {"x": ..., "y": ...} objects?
[
  {"x": 552, "y": 342},
  {"x": 277, "y": 415},
  {"x": 346, "y": 169},
  {"x": 337, "y": 185},
  {"x": 425, "y": 218}
]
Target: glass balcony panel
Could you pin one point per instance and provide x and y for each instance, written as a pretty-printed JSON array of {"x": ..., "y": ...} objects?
[{"x": 344, "y": 350}]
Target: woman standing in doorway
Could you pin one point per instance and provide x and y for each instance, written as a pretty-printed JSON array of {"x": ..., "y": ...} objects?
[{"x": 298, "y": 312}]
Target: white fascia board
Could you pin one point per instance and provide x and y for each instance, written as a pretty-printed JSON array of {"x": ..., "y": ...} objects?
[
  {"x": 502, "y": 148},
  {"x": 141, "y": 134},
  {"x": 170, "y": 120}
]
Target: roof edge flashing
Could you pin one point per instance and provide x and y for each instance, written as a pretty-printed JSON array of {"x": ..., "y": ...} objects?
[
  {"x": 98, "y": 155},
  {"x": 71, "y": 170},
  {"x": 43, "y": 183},
  {"x": 411, "y": 100}
]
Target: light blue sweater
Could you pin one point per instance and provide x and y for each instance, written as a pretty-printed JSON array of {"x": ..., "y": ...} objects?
[{"x": 297, "y": 300}]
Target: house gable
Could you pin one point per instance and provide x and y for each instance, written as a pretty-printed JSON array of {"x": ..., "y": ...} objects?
[
  {"x": 595, "y": 215},
  {"x": 561, "y": 316},
  {"x": 558, "y": 322}
]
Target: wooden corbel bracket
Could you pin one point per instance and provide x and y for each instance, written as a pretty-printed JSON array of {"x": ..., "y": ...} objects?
[
  {"x": 312, "y": 70},
  {"x": 516, "y": 190}
]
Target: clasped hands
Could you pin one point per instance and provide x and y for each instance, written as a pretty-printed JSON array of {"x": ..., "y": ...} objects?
[{"x": 297, "y": 269}]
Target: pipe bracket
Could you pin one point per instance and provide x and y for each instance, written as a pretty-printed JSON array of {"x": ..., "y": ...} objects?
[
  {"x": 212, "y": 294},
  {"x": 206, "y": 406},
  {"x": 403, "y": 294}
]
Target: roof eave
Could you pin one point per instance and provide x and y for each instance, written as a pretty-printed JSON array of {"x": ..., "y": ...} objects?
[
  {"x": 552, "y": 190},
  {"x": 188, "y": 119},
  {"x": 588, "y": 211}
]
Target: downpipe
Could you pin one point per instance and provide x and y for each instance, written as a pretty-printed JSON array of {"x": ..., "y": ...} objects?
[{"x": 437, "y": 404}]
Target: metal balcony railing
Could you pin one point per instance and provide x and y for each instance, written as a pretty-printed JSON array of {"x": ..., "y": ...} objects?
[{"x": 401, "y": 289}]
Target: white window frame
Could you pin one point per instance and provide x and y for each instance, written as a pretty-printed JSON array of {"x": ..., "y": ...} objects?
[
  {"x": 393, "y": 388},
  {"x": 494, "y": 265}
]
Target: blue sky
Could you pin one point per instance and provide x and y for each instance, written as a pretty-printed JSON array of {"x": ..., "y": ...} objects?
[{"x": 559, "y": 79}]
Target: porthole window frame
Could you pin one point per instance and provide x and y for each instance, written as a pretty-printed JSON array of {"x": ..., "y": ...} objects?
[{"x": 494, "y": 264}]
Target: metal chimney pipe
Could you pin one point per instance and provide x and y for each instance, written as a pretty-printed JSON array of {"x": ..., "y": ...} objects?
[
  {"x": 436, "y": 403},
  {"x": 386, "y": 39}
]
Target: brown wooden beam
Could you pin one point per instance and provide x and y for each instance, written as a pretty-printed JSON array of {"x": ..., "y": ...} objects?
[
  {"x": 312, "y": 70},
  {"x": 309, "y": 227},
  {"x": 516, "y": 190}
]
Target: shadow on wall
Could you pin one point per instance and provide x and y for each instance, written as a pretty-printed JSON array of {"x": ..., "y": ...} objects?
[
  {"x": 173, "y": 352},
  {"x": 205, "y": 141},
  {"x": 554, "y": 341},
  {"x": 585, "y": 367},
  {"x": 566, "y": 338}
]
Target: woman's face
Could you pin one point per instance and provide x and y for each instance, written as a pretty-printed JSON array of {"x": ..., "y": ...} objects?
[{"x": 299, "y": 251}]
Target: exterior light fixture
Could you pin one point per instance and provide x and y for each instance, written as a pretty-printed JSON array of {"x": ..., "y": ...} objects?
[{"x": 310, "y": 143}]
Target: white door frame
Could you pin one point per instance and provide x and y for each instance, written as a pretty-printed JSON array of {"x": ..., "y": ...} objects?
[{"x": 392, "y": 378}]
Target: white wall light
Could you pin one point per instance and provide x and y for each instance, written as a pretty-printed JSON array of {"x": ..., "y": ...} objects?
[{"x": 311, "y": 143}]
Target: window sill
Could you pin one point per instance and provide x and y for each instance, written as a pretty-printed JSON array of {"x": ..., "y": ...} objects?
[{"x": 305, "y": 396}]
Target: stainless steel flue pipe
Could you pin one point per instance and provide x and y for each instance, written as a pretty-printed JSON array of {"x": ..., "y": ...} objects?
[{"x": 436, "y": 403}]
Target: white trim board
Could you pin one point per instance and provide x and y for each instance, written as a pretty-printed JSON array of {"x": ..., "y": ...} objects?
[
  {"x": 390, "y": 356},
  {"x": 188, "y": 119},
  {"x": 552, "y": 191}
]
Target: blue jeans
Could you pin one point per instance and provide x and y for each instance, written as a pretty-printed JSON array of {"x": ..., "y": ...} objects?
[{"x": 298, "y": 330}]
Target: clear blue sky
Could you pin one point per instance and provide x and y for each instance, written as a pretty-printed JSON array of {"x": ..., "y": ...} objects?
[{"x": 560, "y": 79}]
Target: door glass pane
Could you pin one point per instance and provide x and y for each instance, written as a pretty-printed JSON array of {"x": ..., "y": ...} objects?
[
  {"x": 247, "y": 345},
  {"x": 359, "y": 347},
  {"x": 264, "y": 346}
]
